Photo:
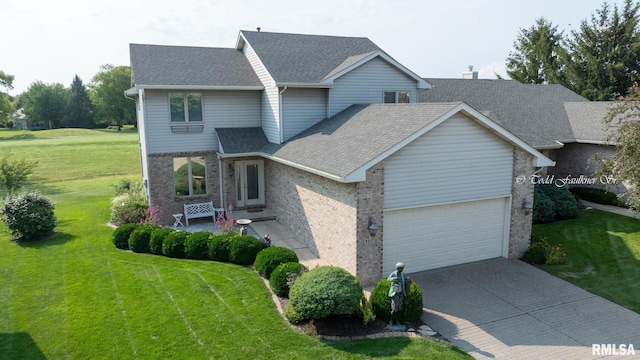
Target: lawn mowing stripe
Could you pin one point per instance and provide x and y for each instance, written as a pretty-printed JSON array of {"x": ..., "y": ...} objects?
[
  {"x": 251, "y": 328},
  {"x": 122, "y": 310},
  {"x": 184, "y": 319}
]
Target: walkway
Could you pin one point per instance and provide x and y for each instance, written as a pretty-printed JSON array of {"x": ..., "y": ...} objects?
[
  {"x": 610, "y": 208},
  {"x": 507, "y": 309}
]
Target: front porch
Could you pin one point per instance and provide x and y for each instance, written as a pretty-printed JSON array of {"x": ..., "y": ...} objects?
[{"x": 262, "y": 222}]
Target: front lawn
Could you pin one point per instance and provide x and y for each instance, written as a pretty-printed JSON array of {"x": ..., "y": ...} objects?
[
  {"x": 75, "y": 296},
  {"x": 603, "y": 254}
]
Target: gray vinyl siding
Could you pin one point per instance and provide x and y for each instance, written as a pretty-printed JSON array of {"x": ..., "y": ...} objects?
[
  {"x": 220, "y": 109},
  {"x": 301, "y": 109},
  {"x": 270, "y": 96},
  {"x": 367, "y": 84},
  {"x": 456, "y": 161}
]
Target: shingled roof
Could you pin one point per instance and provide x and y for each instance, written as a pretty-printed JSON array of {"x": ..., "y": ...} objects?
[
  {"x": 172, "y": 66},
  {"x": 586, "y": 120},
  {"x": 535, "y": 113}
]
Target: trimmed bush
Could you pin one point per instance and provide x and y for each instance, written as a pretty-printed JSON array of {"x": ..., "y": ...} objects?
[
  {"x": 28, "y": 215},
  {"x": 544, "y": 210},
  {"x": 535, "y": 254},
  {"x": 284, "y": 276},
  {"x": 157, "y": 238},
  {"x": 596, "y": 195},
  {"x": 291, "y": 314},
  {"x": 140, "y": 237},
  {"x": 565, "y": 203},
  {"x": 121, "y": 235},
  {"x": 243, "y": 249},
  {"x": 197, "y": 245},
  {"x": 325, "y": 291},
  {"x": 411, "y": 305},
  {"x": 173, "y": 244},
  {"x": 269, "y": 258},
  {"x": 219, "y": 248}
]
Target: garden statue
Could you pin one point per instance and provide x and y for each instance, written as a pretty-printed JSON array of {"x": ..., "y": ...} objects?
[{"x": 400, "y": 284}]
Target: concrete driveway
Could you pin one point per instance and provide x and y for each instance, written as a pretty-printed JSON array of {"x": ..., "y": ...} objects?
[{"x": 507, "y": 309}]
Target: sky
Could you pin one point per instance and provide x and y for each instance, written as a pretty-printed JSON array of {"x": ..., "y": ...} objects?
[{"x": 52, "y": 41}]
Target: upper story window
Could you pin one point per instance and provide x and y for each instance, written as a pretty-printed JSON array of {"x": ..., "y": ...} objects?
[
  {"x": 396, "y": 97},
  {"x": 185, "y": 107}
]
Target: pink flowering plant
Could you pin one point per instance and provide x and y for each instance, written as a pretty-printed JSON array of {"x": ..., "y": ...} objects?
[
  {"x": 151, "y": 215},
  {"x": 225, "y": 225}
]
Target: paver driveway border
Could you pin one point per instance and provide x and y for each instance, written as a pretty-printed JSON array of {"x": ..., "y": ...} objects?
[{"x": 507, "y": 309}]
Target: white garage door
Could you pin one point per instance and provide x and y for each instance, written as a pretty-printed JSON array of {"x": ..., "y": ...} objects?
[{"x": 442, "y": 235}]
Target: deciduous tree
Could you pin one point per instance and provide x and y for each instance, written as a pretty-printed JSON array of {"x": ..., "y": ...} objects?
[
  {"x": 106, "y": 91},
  {"x": 45, "y": 103}
]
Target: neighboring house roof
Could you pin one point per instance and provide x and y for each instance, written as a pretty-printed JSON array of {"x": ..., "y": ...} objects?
[
  {"x": 241, "y": 140},
  {"x": 344, "y": 146},
  {"x": 159, "y": 66},
  {"x": 314, "y": 59},
  {"x": 586, "y": 121},
  {"x": 535, "y": 113}
]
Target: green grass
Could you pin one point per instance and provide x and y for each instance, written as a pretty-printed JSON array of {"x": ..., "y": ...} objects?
[
  {"x": 603, "y": 254},
  {"x": 75, "y": 296}
]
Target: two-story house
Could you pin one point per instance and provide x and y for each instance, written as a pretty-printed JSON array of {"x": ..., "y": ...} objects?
[{"x": 327, "y": 133}]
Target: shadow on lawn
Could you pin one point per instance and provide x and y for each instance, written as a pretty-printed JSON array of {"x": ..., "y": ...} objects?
[
  {"x": 55, "y": 239},
  {"x": 19, "y": 346}
]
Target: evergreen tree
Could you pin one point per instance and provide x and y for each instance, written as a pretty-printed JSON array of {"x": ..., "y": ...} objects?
[
  {"x": 78, "y": 110},
  {"x": 601, "y": 61},
  {"x": 535, "y": 59}
]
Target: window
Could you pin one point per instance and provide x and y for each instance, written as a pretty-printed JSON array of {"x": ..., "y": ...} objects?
[
  {"x": 185, "y": 107},
  {"x": 400, "y": 97},
  {"x": 189, "y": 176}
]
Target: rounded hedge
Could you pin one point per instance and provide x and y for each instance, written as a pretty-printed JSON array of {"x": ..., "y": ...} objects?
[
  {"x": 121, "y": 235},
  {"x": 29, "y": 215},
  {"x": 140, "y": 237},
  {"x": 325, "y": 291},
  {"x": 284, "y": 276},
  {"x": 565, "y": 203},
  {"x": 269, "y": 258},
  {"x": 157, "y": 238},
  {"x": 411, "y": 304},
  {"x": 243, "y": 249},
  {"x": 219, "y": 248},
  {"x": 197, "y": 245},
  {"x": 173, "y": 244}
]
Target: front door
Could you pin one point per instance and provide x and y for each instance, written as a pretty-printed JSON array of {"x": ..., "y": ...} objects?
[{"x": 250, "y": 182}]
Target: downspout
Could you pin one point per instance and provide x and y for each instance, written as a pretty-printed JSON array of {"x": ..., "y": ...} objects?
[{"x": 281, "y": 113}]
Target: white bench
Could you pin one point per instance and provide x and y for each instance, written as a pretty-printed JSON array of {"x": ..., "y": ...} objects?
[{"x": 199, "y": 210}]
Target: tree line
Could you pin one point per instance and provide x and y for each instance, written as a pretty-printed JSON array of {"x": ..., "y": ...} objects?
[
  {"x": 599, "y": 60},
  {"x": 101, "y": 103}
]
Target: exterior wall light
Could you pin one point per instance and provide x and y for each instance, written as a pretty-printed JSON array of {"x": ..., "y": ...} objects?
[
  {"x": 373, "y": 228},
  {"x": 527, "y": 205}
]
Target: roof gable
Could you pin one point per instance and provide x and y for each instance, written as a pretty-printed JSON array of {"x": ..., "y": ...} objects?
[
  {"x": 314, "y": 59},
  {"x": 345, "y": 146}
]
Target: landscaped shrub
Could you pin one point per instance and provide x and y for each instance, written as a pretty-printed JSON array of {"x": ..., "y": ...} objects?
[
  {"x": 121, "y": 235},
  {"x": 596, "y": 195},
  {"x": 541, "y": 252},
  {"x": 544, "y": 210},
  {"x": 28, "y": 215},
  {"x": 130, "y": 205},
  {"x": 243, "y": 249},
  {"x": 157, "y": 238},
  {"x": 325, "y": 291},
  {"x": 411, "y": 305},
  {"x": 140, "y": 237},
  {"x": 269, "y": 258},
  {"x": 535, "y": 254},
  {"x": 219, "y": 248},
  {"x": 291, "y": 314},
  {"x": 197, "y": 245},
  {"x": 173, "y": 244},
  {"x": 565, "y": 203},
  {"x": 284, "y": 276}
]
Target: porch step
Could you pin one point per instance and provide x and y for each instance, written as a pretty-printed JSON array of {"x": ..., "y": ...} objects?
[{"x": 254, "y": 216}]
